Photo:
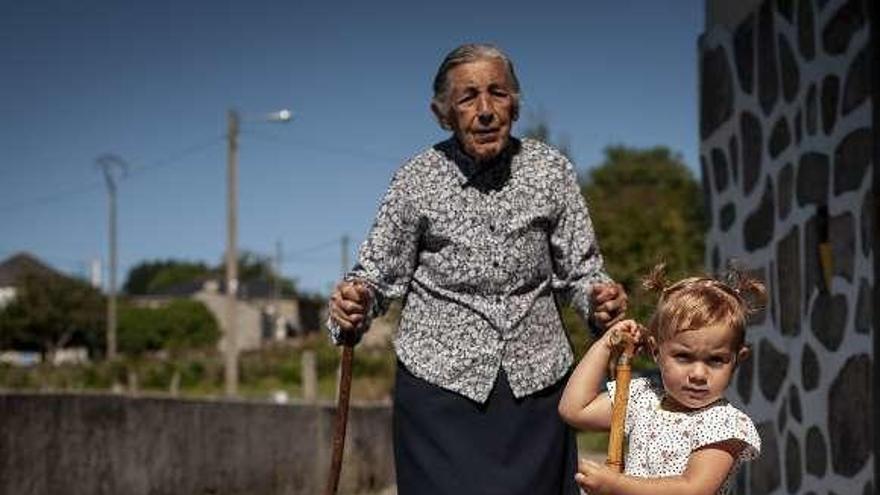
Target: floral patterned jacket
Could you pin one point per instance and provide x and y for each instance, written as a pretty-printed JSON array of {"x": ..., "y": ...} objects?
[{"x": 480, "y": 253}]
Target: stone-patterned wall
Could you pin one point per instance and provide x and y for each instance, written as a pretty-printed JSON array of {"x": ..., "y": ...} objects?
[{"x": 786, "y": 150}]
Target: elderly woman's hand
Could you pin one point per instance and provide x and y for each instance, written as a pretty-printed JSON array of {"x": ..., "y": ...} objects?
[
  {"x": 349, "y": 304},
  {"x": 609, "y": 304}
]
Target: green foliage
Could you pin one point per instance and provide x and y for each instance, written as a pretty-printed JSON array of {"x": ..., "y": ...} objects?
[
  {"x": 138, "y": 329},
  {"x": 160, "y": 276},
  {"x": 200, "y": 373},
  {"x": 171, "y": 276},
  {"x": 646, "y": 207},
  {"x": 577, "y": 331},
  {"x": 592, "y": 441},
  {"x": 50, "y": 312},
  {"x": 153, "y": 277},
  {"x": 182, "y": 324},
  {"x": 252, "y": 266},
  {"x": 273, "y": 363},
  {"x": 191, "y": 325}
]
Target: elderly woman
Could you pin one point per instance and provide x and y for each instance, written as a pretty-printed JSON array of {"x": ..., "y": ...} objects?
[{"x": 482, "y": 236}]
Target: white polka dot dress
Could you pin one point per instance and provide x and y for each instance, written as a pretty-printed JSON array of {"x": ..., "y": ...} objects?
[{"x": 661, "y": 441}]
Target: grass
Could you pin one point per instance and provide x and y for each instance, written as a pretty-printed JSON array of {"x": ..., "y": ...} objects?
[
  {"x": 592, "y": 441},
  {"x": 262, "y": 373}
]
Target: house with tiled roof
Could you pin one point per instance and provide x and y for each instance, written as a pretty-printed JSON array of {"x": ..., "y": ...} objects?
[
  {"x": 12, "y": 270},
  {"x": 15, "y": 267}
]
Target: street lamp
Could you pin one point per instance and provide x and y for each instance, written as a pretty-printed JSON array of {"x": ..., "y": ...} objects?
[{"x": 230, "y": 349}]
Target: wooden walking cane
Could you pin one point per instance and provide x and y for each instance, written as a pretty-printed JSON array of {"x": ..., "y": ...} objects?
[
  {"x": 348, "y": 343},
  {"x": 341, "y": 417},
  {"x": 623, "y": 372}
]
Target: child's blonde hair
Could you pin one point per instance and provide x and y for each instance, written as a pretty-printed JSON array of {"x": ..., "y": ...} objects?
[{"x": 699, "y": 302}]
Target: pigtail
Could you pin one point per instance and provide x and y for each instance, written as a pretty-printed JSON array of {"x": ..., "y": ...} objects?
[
  {"x": 655, "y": 281},
  {"x": 698, "y": 301},
  {"x": 751, "y": 291}
]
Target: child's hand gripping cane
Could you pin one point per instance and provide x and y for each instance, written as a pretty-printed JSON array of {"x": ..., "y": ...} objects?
[{"x": 624, "y": 341}]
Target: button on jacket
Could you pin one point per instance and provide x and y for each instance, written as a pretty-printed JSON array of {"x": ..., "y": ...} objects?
[{"x": 480, "y": 253}]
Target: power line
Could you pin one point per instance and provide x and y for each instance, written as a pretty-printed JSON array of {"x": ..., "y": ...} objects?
[
  {"x": 298, "y": 253},
  {"x": 309, "y": 145},
  {"x": 52, "y": 198},
  {"x": 172, "y": 158},
  {"x": 65, "y": 193},
  {"x": 177, "y": 156},
  {"x": 310, "y": 261}
]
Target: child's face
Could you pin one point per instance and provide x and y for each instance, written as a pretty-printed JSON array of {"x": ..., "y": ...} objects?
[{"x": 696, "y": 365}]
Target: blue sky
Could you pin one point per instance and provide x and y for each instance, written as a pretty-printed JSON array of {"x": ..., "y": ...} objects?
[{"x": 151, "y": 82}]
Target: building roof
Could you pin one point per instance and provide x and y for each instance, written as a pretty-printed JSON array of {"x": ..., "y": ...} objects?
[{"x": 19, "y": 264}]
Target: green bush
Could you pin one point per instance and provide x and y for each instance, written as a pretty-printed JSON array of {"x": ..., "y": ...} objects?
[
  {"x": 201, "y": 372},
  {"x": 192, "y": 373},
  {"x": 180, "y": 325}
]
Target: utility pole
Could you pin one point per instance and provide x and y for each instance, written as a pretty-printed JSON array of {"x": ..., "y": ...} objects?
[
  {"x": 276, "y": 290},
  {"x": 108, "y": 163},
  {"x": 231, "y": 348},
  {"x": 279, "y": 329},
  {"x": 231, "y": 338}
]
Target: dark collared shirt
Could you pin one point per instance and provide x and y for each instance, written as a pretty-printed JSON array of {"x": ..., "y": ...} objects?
[{"x": 477, "y": 252}]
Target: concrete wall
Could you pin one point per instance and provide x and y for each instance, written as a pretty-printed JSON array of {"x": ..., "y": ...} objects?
[
  {"x": 103, "y": 444},
  {"x": 249, "y": 318}
]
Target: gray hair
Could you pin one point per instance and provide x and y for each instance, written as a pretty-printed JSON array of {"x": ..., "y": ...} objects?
[{"x": 470, "y": 52}]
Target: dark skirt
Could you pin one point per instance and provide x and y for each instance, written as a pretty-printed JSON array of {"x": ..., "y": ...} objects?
[{"x": 446, "y": 444}]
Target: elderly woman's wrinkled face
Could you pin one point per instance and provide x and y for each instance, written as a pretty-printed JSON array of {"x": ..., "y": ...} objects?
[{"x": 481, "y": 107}]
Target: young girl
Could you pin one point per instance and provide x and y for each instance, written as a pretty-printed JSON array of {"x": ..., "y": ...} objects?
[{"x": 684, "y": 438}]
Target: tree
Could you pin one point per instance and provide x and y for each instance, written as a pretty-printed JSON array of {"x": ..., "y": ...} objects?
[
  {"x": 254, "y": 267},
  {"x": 50, "y": 312},
  {"x": 182, "y": 324},
  {"x": 153, "y": 277},
  {"x": 646, "y": 207},
  {"x": 162, "y": 276},
  {"x": 139, "y": 330},
  {"x": 190, "y": 325}
]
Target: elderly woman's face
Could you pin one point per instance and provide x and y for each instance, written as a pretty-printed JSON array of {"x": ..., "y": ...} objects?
[{"x": 481, "y": 107}]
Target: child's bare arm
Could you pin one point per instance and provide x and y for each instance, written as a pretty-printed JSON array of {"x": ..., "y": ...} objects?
[
  {"x": 582, "y": 405},
  {"x": 706, "y": 470}
]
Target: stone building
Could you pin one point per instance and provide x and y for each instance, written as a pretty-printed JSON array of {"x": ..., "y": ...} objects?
[
  {"x": 261, "y": 316},
  {"x": 788, "y": 131}
]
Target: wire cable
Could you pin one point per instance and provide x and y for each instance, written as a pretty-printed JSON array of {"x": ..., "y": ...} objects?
[
  {"x": 264, "y": 136},
  {"x": 97, "y": 184},
  {"x": 298, "y": 253}
]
